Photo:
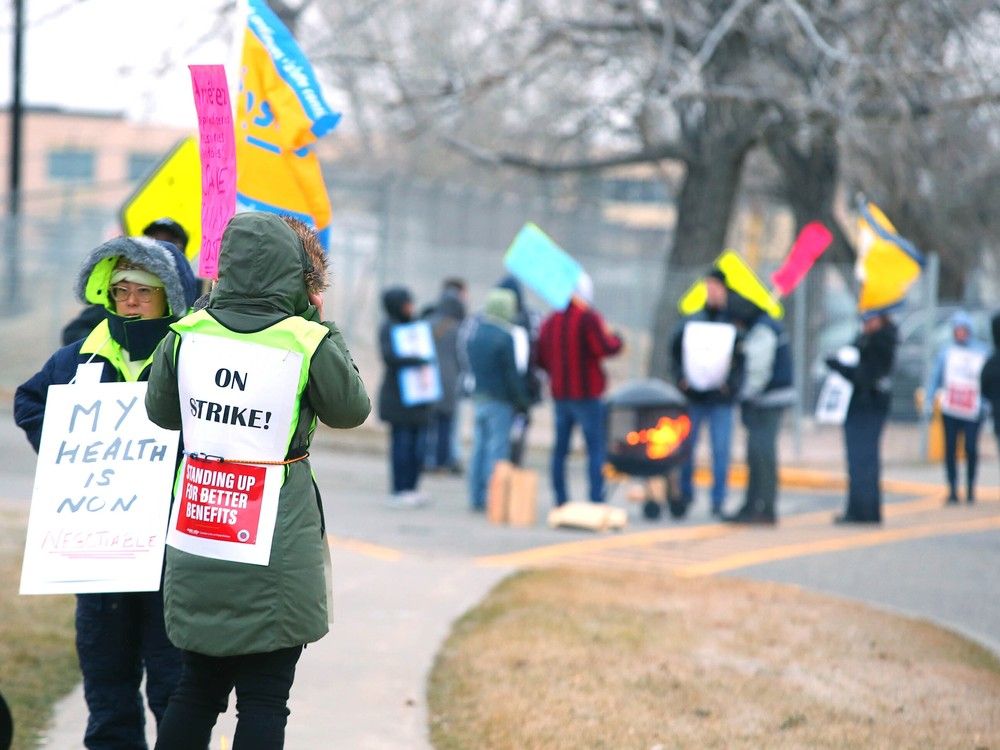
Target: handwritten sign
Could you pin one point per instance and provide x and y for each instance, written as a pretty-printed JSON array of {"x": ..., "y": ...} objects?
[
  {"x": 101, "y": 498},
  {"x": 217, "y": 145},
  {"x": 544, "y": 266}
]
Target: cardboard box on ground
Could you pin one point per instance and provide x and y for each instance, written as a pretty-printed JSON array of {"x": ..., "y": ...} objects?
[{"x": 513, "y": 495}]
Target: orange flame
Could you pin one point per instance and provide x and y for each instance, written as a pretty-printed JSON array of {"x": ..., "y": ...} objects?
[{"x": 662, "y": 440}]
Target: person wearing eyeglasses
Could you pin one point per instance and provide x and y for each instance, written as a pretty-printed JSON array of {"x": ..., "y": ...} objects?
[
  {"x": 141, "y": 285},
  {"x": 165, "y": 229}
]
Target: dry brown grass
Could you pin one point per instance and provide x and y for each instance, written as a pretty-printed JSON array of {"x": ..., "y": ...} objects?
[
  {"x": 37, "y": 656},
  {"x": 571, "y": 659}
]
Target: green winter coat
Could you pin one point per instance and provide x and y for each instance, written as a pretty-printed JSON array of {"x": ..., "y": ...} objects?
[{"x": 222, "y": 608}]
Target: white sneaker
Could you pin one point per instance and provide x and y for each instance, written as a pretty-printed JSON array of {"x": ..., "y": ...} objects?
[{"x": 407, "y": 500}]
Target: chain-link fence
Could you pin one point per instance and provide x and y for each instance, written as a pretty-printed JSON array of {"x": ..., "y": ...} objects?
[{"x": 395, "y": 230}]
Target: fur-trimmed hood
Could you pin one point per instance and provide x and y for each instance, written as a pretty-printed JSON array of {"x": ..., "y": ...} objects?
[{"x": 160, "y": 258}]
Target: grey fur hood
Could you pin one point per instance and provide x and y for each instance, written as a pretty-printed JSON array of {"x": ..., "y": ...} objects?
[{"x": 160, "y": 258}]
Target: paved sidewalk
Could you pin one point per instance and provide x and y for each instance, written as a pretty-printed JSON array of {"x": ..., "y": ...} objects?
[{"x": 402, "y": 577}]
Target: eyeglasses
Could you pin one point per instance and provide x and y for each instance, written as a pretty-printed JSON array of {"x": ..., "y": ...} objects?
[{"x": 121, "y": 293}]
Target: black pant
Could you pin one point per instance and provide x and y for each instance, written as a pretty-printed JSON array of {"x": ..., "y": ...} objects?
[
  {"x": 117, "y": 636},
  {"x": 970, "y": 435},
  {"x": 862, "y": 438},
  {"x": 262, "y": 683},
  {"x": 407, "y": 449},
  {"x": 762, "y": 424}
]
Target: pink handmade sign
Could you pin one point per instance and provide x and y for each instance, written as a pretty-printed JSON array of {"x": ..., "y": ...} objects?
[
  {"x": 811, "y": 243},
  {"x": 218, "y": 161}
]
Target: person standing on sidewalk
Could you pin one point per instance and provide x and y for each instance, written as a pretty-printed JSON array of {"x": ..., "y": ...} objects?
[
  {"x": 571, "y": 345},
  {"x": 767, "y": 390},
  {"x": 956, "y": 375},
  {"x": 499, "y": 390},
  {"x": 245, "y": 587},
  {"x": 407, "y": 423},
  {"x": 445, "y": 320},
  {"x": 867, "y": 365},
  {"x": 141, "y": 286},
  {"x": 709, "y": 377},
  {"x": 989, "y": 378}
]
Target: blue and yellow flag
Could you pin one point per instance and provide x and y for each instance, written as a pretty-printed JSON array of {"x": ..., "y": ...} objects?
[
  {"x": 280, "y": 114},
  {"x": 887, "y": 265}
]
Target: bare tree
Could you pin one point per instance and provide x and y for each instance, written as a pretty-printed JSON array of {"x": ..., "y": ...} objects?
[{"x": 566, "y": 86}]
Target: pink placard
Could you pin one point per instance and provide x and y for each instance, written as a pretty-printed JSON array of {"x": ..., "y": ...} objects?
[
  {"x": 811, "y": 243},
  {"x": 218, "y": 161}
]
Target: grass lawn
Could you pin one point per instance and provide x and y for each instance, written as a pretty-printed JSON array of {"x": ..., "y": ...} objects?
[
  {"x": 37, "y": 656},
  {"x": 582, "y": 659}
]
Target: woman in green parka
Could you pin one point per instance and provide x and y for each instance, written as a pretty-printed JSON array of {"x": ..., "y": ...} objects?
[{"x": 245, "y": 380}]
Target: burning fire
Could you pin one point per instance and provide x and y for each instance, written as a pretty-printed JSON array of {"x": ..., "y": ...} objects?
[{"x": 662, "y": 440}]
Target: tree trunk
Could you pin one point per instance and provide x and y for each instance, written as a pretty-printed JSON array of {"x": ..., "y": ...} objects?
[
  {"x": 703, "y": 212},
  {"x": 811, "y": 176}
]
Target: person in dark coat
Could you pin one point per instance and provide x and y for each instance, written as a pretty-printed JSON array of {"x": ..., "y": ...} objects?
[
  {"x": 528, "y": 325},
  {"x": 499, "y": 391},
  {"x": 141, "y": 286},
  {"x": 989, "y": 378},
  {"x": 867, "y": 365},
  {"x": 407, "y": 424},
  {"x": 711, "y": 404},
  {"x": 445, "y": 320}
]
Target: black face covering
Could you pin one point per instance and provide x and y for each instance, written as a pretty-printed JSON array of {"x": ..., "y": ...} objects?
[{"x": 137, "y": 336}]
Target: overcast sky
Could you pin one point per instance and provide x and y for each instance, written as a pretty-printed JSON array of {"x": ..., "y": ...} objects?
[{"x": 118, "y": 55}]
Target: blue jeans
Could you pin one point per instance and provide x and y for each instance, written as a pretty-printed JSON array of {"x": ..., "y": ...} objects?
[
  {"x": 407, "y": 451},
  {"x": 490, "y": 443},
  {"x": 117, "y": 637},
  {"x": 720, "y": 430},
  {"x": 589, "y": 413}
]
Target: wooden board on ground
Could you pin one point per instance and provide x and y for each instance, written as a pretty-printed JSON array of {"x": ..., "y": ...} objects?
[{"x": 589, "y": 516}]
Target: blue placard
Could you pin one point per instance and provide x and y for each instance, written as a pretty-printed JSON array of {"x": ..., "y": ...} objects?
[{"x": 544, "y": 266}]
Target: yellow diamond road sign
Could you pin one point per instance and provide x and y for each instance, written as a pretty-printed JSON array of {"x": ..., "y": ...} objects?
[{"x": 172, "y": 189}]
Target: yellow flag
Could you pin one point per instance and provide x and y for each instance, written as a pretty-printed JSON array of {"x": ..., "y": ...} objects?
[
  {"x": 887, "y": 264},
  {"x": 740, "y": 277},
  {"x": 280, "y": 114}
]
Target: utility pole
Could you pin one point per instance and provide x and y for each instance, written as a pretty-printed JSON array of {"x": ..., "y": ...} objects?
[{"x": 13, "y": 274}]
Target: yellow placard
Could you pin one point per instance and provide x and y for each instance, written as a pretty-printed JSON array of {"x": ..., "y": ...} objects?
[
  {"x": 742, "y": 279},
  {"x": 172, "y": 190}
]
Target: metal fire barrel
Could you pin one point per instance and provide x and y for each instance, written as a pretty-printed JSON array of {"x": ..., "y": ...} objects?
[{"x": 648, "y": 428}]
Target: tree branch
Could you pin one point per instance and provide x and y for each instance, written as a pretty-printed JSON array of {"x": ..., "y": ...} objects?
[{"x": 482, "y": 155}]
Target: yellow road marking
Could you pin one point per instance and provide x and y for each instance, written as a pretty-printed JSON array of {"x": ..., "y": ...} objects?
[
  {"x": 866, "y": 539},
  {"x": 368, "y": 549},
  {"x": 586, "y": 546}
]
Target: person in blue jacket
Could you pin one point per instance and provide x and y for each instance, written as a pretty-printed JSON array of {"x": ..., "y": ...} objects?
[
  {"x": 956, "y": 375},
  {"x": 143, "y": 285}
]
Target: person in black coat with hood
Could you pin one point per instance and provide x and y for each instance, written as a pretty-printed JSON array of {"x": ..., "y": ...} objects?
[
  {"x": 989, "y": 378},
  {"x": 867, "y": 365},
  {"x": 407, "y": 424}
]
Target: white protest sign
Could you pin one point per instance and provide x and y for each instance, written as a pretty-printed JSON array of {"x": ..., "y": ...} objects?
[
  {"x": 238, "y": 400},
  {"x": 708, "y": 353},
  {"x": 961, "y": 398},
  {"x": 99, "y": 507},
  {"x": 418, "y": 384},
  {"x": 834, "y": 399}
]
